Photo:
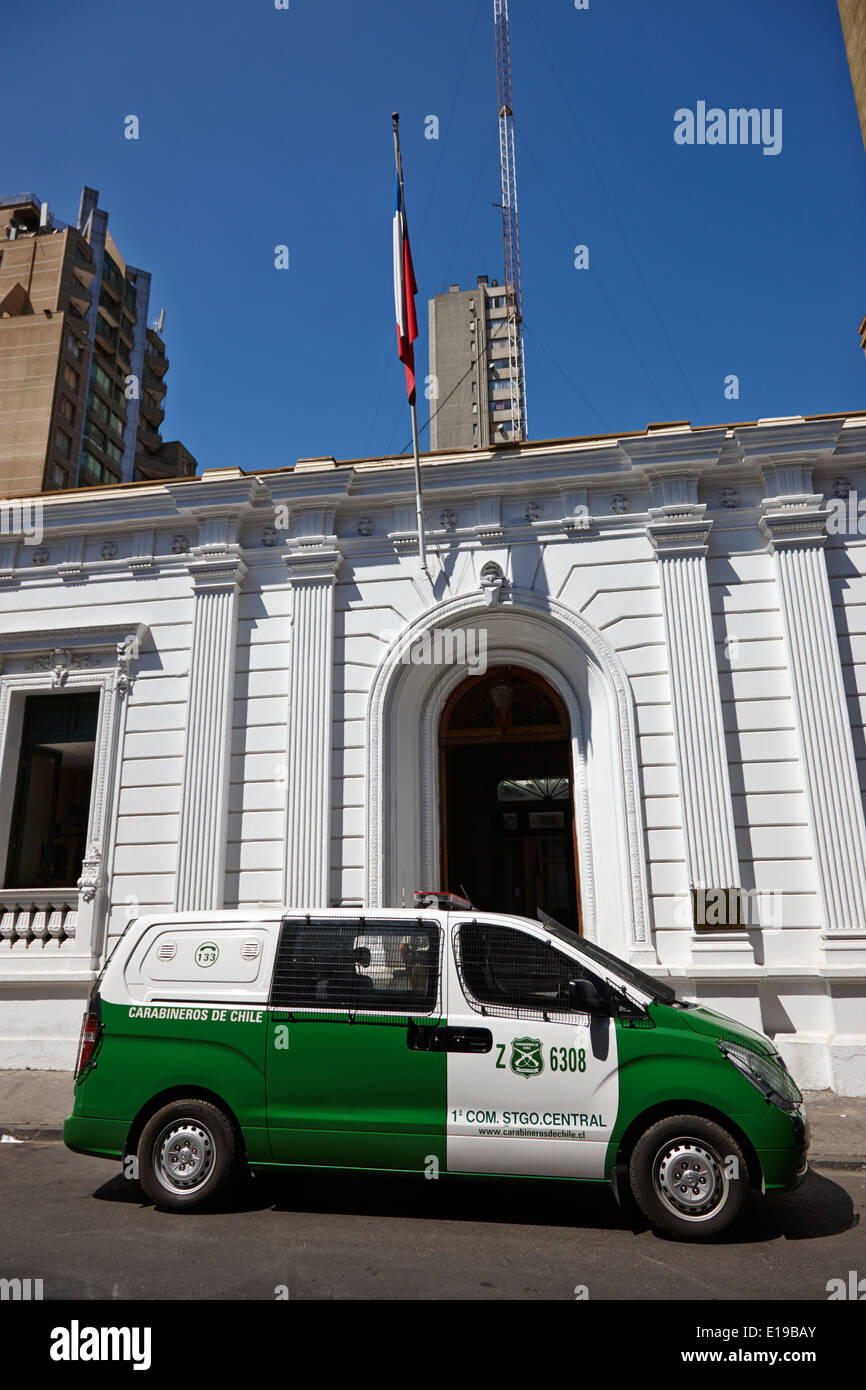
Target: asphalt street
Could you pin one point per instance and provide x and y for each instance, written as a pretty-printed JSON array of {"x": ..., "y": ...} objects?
[{"x": 88, "y": 1233}]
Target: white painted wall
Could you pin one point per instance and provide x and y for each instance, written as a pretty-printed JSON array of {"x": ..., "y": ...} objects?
[{"x": 580, "y": 604}]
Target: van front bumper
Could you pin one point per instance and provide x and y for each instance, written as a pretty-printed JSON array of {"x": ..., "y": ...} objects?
[
  {"x": 99, "y": 1138},
  {"x": 784, "y": 1169}
]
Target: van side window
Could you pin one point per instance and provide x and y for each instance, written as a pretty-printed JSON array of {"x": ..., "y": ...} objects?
[
  {"x": 359, "y": 965},
  {"x": 511, "y": 974}
]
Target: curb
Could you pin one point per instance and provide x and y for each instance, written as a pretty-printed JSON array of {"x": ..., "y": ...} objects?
[
  {"x": 35, "y": 1135},
  {"x": 850, "y": 1165}
]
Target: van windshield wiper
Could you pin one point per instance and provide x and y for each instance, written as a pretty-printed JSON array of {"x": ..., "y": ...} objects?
[{"x": 619, "y": 988}]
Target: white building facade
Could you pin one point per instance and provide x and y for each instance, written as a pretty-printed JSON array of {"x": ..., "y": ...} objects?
[{"x": 631, "y": 691}]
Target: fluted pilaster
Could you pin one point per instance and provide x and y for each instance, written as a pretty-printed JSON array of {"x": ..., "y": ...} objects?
[
  {"x": 795, "y": 528},
  {"x": 204, "y": 799},
  {"x": 312, "y": 575},
  {"x": 679, "y": 535}
]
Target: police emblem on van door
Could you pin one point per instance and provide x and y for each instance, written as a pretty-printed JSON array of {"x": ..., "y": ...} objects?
[
  {"x": 206, "y": 954},
  {"x": 526, "y": 1057}
]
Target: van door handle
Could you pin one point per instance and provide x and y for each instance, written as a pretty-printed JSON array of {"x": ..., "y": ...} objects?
[
  {"x": 469, "y": 1040},
  {"x": 421, "y": 1038}
]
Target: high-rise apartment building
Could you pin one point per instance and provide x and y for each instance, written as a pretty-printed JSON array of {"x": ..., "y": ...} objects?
[
  {"x": 473, "y": 375},
  {"x": 82, "y": 374},
  {"x": 853, "y": 16}
]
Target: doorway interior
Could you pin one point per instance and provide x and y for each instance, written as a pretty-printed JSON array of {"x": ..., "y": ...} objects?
[{"x": 507, "y": 805}]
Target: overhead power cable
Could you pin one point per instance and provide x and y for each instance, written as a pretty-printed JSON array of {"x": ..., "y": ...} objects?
[
  {"x": 613, "y": 211},
  {"x": 646, "y": 371}
]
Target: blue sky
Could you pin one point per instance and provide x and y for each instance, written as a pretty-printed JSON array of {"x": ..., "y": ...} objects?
[{"x": 262, "y": 127}]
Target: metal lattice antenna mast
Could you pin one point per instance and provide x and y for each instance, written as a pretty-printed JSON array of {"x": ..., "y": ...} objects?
[{"x": 508, "y": 172}]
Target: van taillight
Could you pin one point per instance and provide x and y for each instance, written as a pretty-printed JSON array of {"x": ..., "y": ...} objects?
[{"x": 87, "y": 1041}]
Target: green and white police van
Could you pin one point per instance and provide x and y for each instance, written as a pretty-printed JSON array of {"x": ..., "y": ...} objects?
[{"x": 434, "y": 1040}]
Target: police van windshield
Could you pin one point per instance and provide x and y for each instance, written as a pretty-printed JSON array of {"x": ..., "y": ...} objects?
[{"x": 663, "y": 994}]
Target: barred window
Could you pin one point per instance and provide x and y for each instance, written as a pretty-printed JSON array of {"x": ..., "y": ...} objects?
[
  {"x": 355, "y": 964},
  {"x": 511, "y": 974}
]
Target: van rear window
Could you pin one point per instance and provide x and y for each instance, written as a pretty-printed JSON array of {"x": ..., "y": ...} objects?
[{"x": 358, "y": 965}]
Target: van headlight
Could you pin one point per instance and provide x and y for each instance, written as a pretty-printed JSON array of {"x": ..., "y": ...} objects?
[{"x": 765, "y": 1073}]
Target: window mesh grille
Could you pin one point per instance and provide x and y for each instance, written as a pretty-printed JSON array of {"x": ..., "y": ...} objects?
[
  {"x": 506, "y": 973},
  {"x": 333, "y": 965},
  {"x": 750, "y": 1044}
]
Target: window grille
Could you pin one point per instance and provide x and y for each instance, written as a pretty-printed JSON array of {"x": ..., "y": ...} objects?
[
  {"x": 508, "y": 974},
  {"x": 356, "y": 964}
]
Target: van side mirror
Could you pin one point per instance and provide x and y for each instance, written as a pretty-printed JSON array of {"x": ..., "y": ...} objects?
[{"x": 584, "y": 998}]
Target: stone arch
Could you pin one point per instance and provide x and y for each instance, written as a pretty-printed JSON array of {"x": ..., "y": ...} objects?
[{"x": 404, "y": 707}]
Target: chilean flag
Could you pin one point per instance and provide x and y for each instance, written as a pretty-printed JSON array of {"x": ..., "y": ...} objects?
[{"x": 405, "y": 290}]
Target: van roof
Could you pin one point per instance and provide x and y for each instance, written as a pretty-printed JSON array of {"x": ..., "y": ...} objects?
[{"x": 231, "y": 917}]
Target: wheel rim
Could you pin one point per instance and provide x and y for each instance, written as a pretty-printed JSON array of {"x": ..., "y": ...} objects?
[
  {"x": 690, "y": 1179},
  {"x": 184, "y": 1156}
]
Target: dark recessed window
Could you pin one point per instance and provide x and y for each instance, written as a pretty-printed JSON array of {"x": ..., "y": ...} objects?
[{"x": 52, "y": 796}]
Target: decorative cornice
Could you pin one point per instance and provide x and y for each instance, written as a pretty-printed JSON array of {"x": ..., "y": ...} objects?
[
  {"x": 72, "y": 568},
  {"x": 216, "y": 568},
  {"x": 223, "y": 493},
  {"x": 679, "y": 529},
  {"x": 142, "y": 560},
  {"x": 8, "y": 555},
  {"x": 404, "y": 542},
  {"x": 488, "y": 527},
  {"x": 678, "y": 452},
  {"x": 96, "y": 638},
  {"x": 789, "y": 441},
  {"x": 795, "y": 519},
  {"x": 313, "y": 563}
]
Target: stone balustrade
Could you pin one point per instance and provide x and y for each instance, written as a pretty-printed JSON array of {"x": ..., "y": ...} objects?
[{"x": 28, "y": 917}]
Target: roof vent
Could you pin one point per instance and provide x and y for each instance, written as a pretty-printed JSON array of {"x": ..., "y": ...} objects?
[
  {"x": 251, "y": 949},
  {"x": 166, "y": 950}
]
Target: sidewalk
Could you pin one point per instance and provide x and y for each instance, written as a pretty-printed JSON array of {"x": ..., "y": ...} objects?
[{"x": 34, "y": 1104}]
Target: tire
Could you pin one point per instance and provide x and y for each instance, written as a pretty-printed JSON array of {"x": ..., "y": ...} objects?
[
  {"x": 188, "y": 1155},
  {"x": 713, "y": 1192}
]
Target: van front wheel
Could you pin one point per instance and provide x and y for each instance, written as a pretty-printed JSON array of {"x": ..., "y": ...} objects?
[
  {"x": 187, "y": 1155},
  {"x": 689, "y": 1177}
]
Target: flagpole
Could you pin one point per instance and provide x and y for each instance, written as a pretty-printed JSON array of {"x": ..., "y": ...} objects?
[{"x": 419, "y": 508}]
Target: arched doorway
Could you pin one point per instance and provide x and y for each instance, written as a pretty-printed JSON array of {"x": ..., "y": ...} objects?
[{"x": 507, "y": 805}]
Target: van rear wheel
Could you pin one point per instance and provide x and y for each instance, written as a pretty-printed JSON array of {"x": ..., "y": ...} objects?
[
  {"x": 187, "y": 1155},
  {"x": 689, "y": 1177}
]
